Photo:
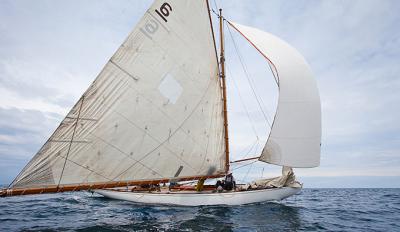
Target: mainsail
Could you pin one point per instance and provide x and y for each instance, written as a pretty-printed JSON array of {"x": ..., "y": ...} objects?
[
  {"x": 154, "y": 112},
  {"x": 295, "y": 136}
]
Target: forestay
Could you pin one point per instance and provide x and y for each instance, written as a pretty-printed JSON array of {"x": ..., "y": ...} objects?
[
  {"x": 295, "y": 136},
  {"x": 154, "y": 112}
]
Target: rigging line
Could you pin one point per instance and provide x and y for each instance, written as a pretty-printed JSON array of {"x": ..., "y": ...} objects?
[
  {"x": 215, "y": 4},
  {"x": 251, "y": 166},
  {"x": 248, "y": 149},
  {"x": 275, "y": 73},
  {"x": 244, "y": 165},
  {"x": 215, "y": 12},
  {"x": 213, "y": 35},
  {"x": 248, "y": 78},
  {"x": 250, "y": 81},
  {"x": 269, "y": 62},
  {"x": 257, "y": 142},
  {"x": 255, "y": 146},
  {"x": 72, "y": 138},
  {"x": 244, "y": 105}
]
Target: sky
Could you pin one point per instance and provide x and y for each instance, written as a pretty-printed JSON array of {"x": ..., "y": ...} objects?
[{"x": 50, "y": 51}]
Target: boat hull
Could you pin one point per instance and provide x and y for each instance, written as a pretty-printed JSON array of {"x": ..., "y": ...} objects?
[{"x": 197, "y": 199}]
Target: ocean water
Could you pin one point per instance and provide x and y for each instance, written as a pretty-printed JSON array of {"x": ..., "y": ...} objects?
[{"x": 310, "y": 210}]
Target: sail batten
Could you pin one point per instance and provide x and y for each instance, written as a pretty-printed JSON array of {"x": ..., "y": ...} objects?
[
  {"x": 155, "y": 107},
  {"x": 295, "y": 136}
]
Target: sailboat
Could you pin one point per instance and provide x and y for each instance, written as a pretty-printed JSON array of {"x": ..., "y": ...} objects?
[{"x": 156, "y": 118}]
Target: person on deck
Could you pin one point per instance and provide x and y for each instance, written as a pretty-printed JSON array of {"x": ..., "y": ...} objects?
[
  {"x": 230, "y": 182},
  {"x": 219, "y": 186}
]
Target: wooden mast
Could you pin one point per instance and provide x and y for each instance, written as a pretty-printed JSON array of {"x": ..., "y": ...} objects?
[{"x": 222, "y": 62}]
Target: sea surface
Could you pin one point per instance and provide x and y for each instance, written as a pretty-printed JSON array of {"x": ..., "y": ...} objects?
[{"x": 310, "y": 210}]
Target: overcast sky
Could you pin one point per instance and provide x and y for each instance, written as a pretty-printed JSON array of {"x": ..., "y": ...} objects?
[{"x": 50, "y": 51}]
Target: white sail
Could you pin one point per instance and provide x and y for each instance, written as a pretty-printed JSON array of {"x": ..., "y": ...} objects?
[
  {"x": 295, "y": 136},
  {"x": 154, "y": 111}
]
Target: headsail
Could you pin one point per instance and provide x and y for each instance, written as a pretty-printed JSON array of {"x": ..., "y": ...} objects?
[
  {"x": 295, "y": 136},
  {"x": 154, "y": 112}
]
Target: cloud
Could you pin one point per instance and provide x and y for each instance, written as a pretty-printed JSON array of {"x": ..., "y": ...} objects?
[
  {"x": 25, "y": 130},
  {"x": 22, "y": 133}
]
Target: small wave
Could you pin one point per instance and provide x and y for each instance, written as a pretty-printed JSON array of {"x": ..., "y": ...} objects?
[{"x": 316, "y": 209}]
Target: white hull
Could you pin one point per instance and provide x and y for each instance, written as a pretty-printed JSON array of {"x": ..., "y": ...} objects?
[{"x": 196, "y": 199}]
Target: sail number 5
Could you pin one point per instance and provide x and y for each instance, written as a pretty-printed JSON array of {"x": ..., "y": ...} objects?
[{"x": 164, "y": 11}]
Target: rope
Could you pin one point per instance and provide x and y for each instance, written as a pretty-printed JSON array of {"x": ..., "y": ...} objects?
[
  {"x": 216, "y": 14},
  {"x": 251, "y": 149},
  {"x": 244, "y": 165},
  {"x": 215, "y": 4},
  {"x": 244, "y": 105},
  {"x": 247, "y": 172},
  {"x": 258, "y": 99}
]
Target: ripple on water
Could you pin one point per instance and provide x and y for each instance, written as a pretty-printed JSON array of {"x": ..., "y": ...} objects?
[{"x": 312, "y": 209}]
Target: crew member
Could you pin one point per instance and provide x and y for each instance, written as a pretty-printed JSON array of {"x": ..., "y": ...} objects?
[
  {"x": 230, "y": 182},
  {"x": 219, "y": 186}
]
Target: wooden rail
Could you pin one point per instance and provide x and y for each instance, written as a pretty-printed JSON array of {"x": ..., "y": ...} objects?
[{"x": 98, "y": 185}]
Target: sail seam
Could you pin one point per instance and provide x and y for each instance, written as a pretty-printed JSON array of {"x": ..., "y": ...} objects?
[
  {"x": 123, "y": 70},
  {"x": 118, "y": 149},
  {"x": 72, "y": 138},
  {"x": 162, "y": 143},
  {"x": 38, "y": 154}
]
